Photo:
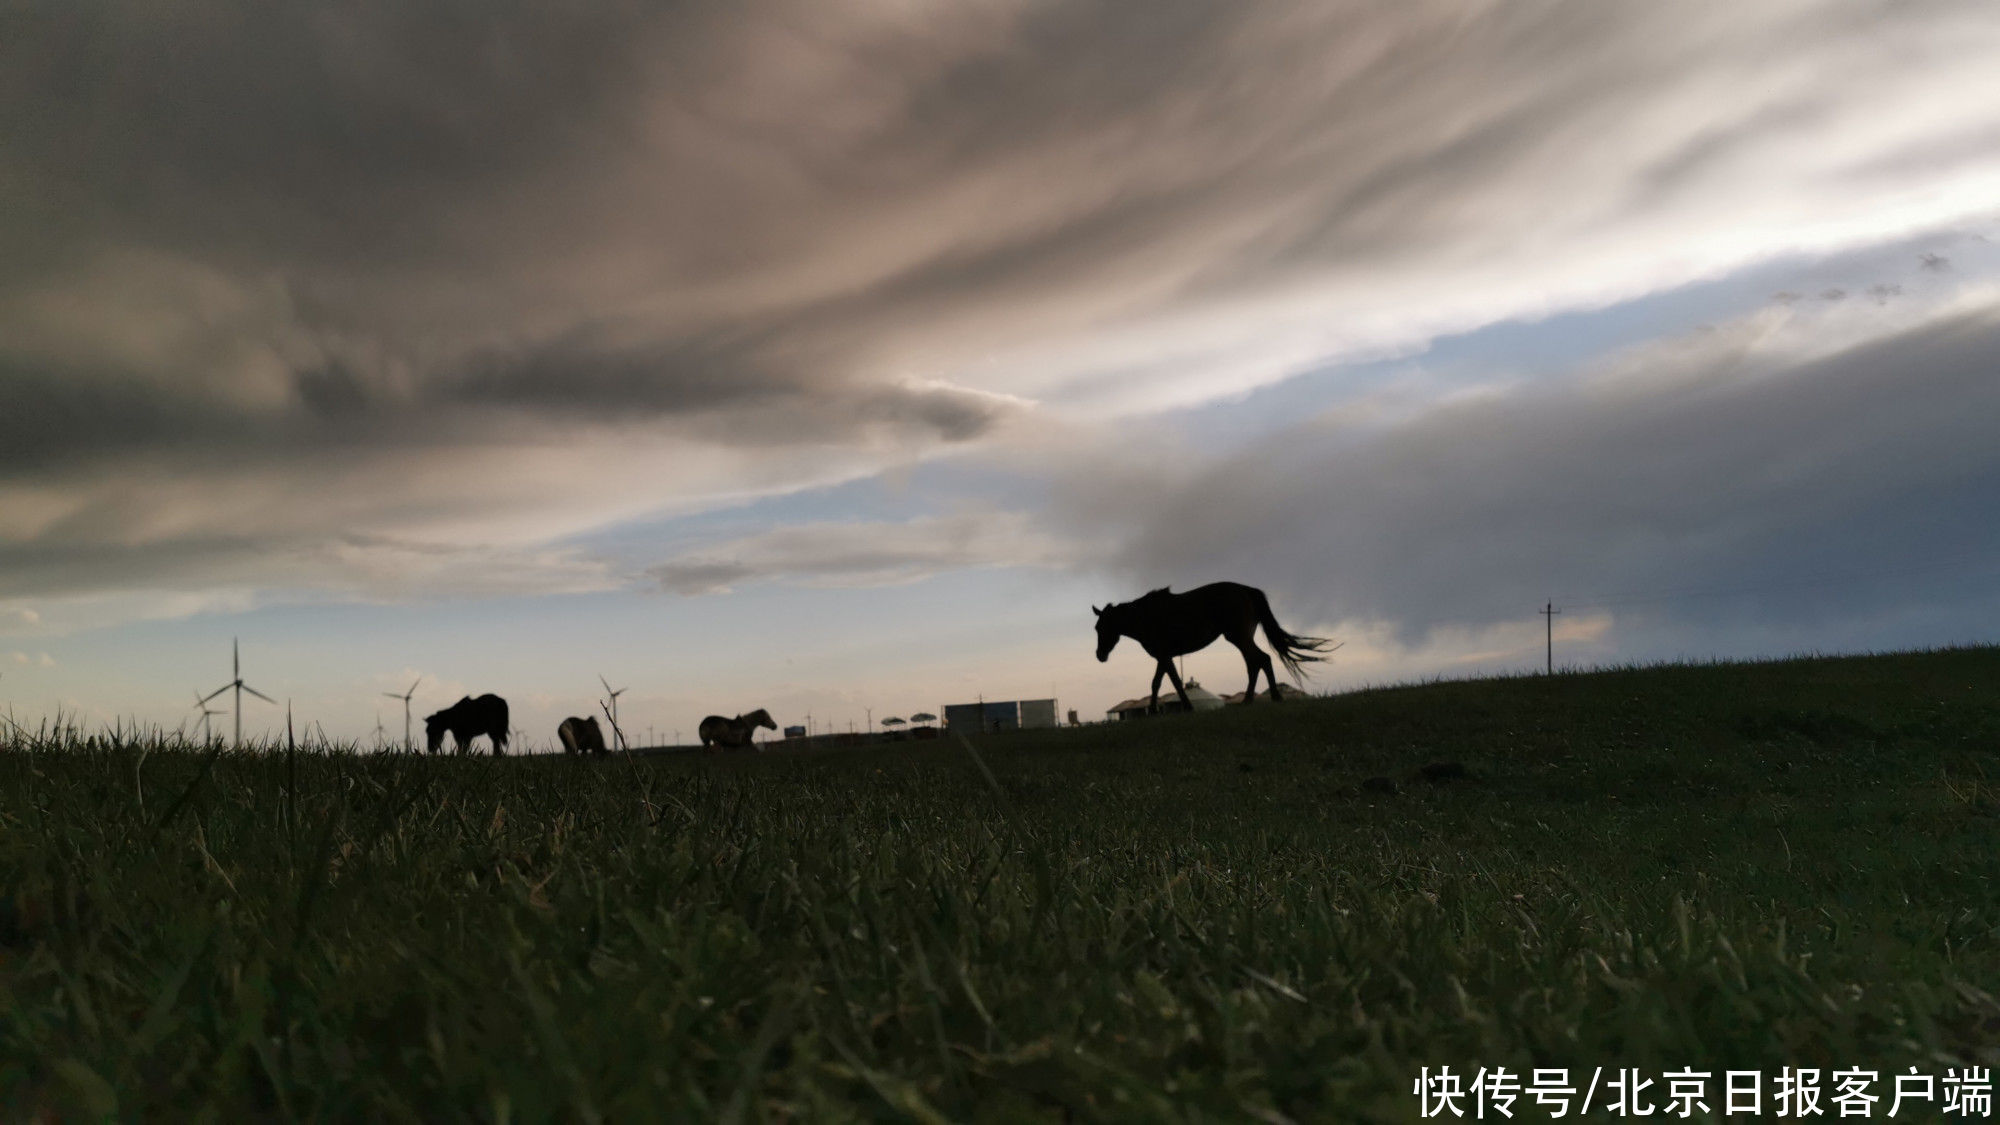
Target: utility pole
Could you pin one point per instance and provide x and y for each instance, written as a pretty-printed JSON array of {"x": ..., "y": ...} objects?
[
  {"x": 1549, "y": 614},
  {"x": 871, "y": 721}
]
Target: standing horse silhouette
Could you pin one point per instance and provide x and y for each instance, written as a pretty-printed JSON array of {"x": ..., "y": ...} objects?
[
  {"x": 579, "y": 735},
  {"x": 1167, "y": 625},
  {"x": 734, "y": 733},
  {"x": 468, "y": 719}
]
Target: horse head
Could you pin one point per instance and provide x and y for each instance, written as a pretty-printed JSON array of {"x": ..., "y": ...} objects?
[
  {"x": 435, "y": 724},
  {"x": 759, "y": 718},
  {"x": 1108, "y": 631}
]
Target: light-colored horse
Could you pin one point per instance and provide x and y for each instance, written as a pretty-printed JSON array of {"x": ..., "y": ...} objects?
[
  {"x": 579, "y": 735},
  {"x": 734, "y": 733}
]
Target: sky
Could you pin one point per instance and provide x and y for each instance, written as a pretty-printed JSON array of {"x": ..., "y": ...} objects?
[{"x": 837, "y": 356}]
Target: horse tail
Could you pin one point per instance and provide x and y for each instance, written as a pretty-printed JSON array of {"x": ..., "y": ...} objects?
[{"x": 1292, "y": 648}]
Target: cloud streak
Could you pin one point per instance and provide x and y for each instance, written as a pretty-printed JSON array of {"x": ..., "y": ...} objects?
[{"x": 864, "y": 554}]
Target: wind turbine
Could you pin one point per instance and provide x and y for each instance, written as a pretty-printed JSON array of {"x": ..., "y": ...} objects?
[
  {"x": 236, "y": 681},
  {"x": 405, "y": 697},
  {"x": 613, "y": 697},
  {"x": 379, "y": 739},
  {"x": 207, "y": 736}
]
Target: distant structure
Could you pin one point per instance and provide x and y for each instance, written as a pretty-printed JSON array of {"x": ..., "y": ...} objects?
[
  {"x": 1284, "y": 691},
  {"x": 982, "y": 718},
  {"x": 795, "y": 732},
  {"x": 1202, "y": 698},
  {"x": 987, "y": 717},
  {"x": 1038, "y": 714}
]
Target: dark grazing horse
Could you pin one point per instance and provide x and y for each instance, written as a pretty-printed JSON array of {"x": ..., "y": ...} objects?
[
  {"x": 579, "y": 735},
  {"x": 1167, "y": 625},
  {"x": 734, "y": 733},
  {"x": 468, "y": 719}
]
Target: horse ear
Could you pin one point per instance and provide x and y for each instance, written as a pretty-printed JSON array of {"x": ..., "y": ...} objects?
[{"x": 1097, "y": 611}]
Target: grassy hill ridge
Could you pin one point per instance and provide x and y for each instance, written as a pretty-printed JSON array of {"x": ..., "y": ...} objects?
[{"x": 1265, "y": 913}]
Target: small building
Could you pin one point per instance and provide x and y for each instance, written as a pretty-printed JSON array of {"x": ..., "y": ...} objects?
[
  {"x": 1170, "y": 702},
  {"x": 982, "y": 718},
  {"x": 1038, "y": 714},
  {"x": 795, "y": 732}
]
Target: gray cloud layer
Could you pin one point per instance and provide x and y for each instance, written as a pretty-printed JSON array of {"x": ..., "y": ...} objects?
[
  {"x": 1812, "y": 488},
  {"x": 864, "y": 554},
  {"x": 276, "y": 279}
]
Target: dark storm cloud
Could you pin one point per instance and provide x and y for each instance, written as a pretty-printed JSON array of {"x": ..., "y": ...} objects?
[
  {"x": 723, "y": 387},
  {"x": 326, "y": 249},
  {"x": 575, "y": 377},
  {"x": 48, "y": 419},
  {"x": 293, "y": 128},
  {"x": 332, "y": 562},
  {"x": 1823, "y": 488}
]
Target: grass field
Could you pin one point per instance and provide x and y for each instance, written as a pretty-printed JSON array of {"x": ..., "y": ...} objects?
[{"x": 1205, "y": 917}]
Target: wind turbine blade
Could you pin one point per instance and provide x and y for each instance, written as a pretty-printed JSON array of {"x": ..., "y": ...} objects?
[
  {"x": 605, "y": 682},
  {"x": 216, "y": 692},
  {"x": 392, "y": 695},
  {"x": 413, "y": 686},
  {"x": 258, "y": 694}
]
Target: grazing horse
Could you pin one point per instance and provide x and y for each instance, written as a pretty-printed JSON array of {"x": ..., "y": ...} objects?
[
  {"x": 1167, "y": 625},
  {"x": 578, "y": 735},
  {"x": 734, "y": 733},
  {"x": 468, "y": 719}
]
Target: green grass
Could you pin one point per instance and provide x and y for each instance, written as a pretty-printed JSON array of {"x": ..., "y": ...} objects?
[{"x": 1199, "y": 917}]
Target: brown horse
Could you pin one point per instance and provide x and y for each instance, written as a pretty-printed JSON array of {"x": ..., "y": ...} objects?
[
  {"x": 468, "y": 719},
  {"x": 735, "y": 733},
  {"x": 1167, "y": 625},
  {"x": 579, "y": 735}
]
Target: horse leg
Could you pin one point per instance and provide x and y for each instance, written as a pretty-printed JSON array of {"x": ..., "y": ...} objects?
[
  {"x": 1153, "y": 708},
  {"x": 1178, "y": 689},
  {"x": 1250, "y": 654},
  {"x": 1256, "y": 660}
]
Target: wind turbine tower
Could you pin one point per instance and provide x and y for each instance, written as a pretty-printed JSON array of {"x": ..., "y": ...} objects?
[
  {"x": 236, "y": 682},
  {"x": 405, "y": 697},
  {"x": 206, "y": 734},
  {"x": 616, "y": 731}
]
